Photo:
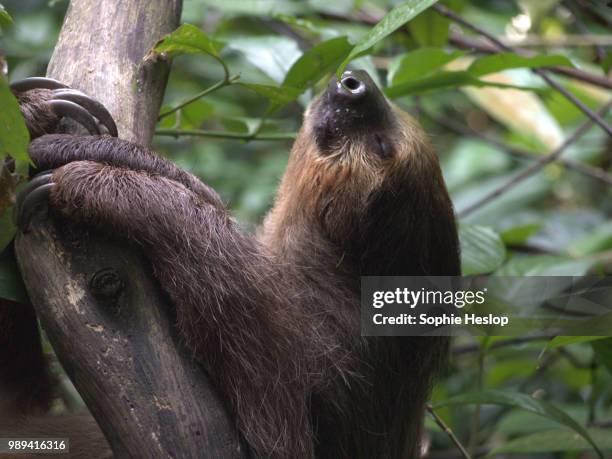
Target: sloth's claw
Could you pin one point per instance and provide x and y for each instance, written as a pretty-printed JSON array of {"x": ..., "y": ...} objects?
[
  {"x": 77, "y": 113},
  {"x": 94, "y": 107},
  {"x": 39, "y": 179},
  {"x": 71, "y": 103},
  {"x": 33, "y": 201},
  {"x": 36, "y": 83}
]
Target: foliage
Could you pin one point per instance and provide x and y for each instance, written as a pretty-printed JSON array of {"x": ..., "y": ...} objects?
[{"x": 243, "y": 72}]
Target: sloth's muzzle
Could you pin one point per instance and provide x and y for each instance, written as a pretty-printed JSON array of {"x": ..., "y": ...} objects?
[
  {"x": 349, "y": 109},
  {"x": 355, "y": 89}
]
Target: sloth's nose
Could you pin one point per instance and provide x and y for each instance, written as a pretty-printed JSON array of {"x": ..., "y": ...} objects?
[
  {"x": 352, "y": 84},
  {"x": 355, "y": 88},
  {"x": 350, "y": 106}
]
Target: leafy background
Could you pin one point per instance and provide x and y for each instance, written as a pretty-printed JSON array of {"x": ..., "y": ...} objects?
[{"x": 251, "y": 67}]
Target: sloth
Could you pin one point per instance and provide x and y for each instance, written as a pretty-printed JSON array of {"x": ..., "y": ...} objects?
[{"x": 274, "y": 318}]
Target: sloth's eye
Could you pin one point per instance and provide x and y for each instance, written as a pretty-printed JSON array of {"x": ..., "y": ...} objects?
[{"x": 382, "y": 147}]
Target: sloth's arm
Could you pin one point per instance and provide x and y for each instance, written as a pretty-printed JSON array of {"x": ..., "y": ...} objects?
[
  {"x": 56, "y": 150},
  {"x": 231, "y": 311}
]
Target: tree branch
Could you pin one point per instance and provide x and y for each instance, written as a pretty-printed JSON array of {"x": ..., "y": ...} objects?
[
  {"x": 600, "y": 52},
  {"x": 532, "y": 169},
  {"x": 215, "y": 87},
  {"x": 448, "y": 431},
  {"x": 226, "y": 135}
]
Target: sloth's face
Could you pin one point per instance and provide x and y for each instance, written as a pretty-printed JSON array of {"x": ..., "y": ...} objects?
[
  {"x": 356, "y": 149},
  {"x": 352, "y": 125},
  {"x": 352, "y": 116}
]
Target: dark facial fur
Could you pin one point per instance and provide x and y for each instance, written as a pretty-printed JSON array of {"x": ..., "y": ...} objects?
[
  {"x": 275, "y": 319},
  {"x": 352, "y": 109}
]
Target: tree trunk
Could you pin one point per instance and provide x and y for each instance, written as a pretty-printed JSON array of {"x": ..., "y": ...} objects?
[{"x": 108, "y": 321}]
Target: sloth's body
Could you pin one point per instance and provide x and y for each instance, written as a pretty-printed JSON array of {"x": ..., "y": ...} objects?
[{"x": 275, "y": 319}]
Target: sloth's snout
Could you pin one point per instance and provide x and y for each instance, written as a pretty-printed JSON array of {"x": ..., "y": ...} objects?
[
  {"x": 355, "y": 98},
  {"x": 352, "y": 84},
  {"x": 349, "y": 109}
]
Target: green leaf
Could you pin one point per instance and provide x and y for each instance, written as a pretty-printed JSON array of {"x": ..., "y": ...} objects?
[
  {"x": 5, "y": 18},
  {"x": 305, "y": 72},
  {"x": 599, "y": 240},
  {"x": 552, "y": 441},
  {"x": 187, "y": 39},
  {"x": 392, "y": 21},
  {"x": 504, "y": 61},
  {"x": 559, "y": 341},
  {"x": 524, "y": 402},
  {"x": 273, "y": 55},
  {"x": 419, "y": 63},
  {"x": 14, "y": 135},
  {"x": 316, "y": 62},
  {"x": 242, "y": 125},
  {"x": 11, "y": 285},
  {"x": 482, "y": 250},
  {"x": 445, "y": 80},
  {"x": 429, "y": 28},
  {"x": 544, "y": 265},
  {"x": 277, "y": 95},
  {"x": 606, "y": 64},
  {"x": 319, "y": 28},
  {"x": 519, "y": 234}
]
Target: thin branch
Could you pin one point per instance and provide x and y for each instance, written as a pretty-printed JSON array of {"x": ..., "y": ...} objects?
[
  {"x": 563, "y": 41},
  {"x": 218, "y": 85},
  {"x": 226, "y": 135},
  {"x": 532, "y": 169},
  {"x": 585, "y": 169},
  {"x": 448, "y": 431},
  {"x": 590, "y": 8},
  {"x": 476, "y": 44},
  {"x": 538, "y": 71}
]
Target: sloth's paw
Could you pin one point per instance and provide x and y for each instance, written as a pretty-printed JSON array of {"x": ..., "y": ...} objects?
[
  {"x": 66, "y": 102},
  {"x": 33, "y": 201}
]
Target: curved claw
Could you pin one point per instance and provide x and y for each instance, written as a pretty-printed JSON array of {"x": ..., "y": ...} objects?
[
  {"x": 91, "y": 105},
  {"x": 36, "y": 83},
  {"x": 33, "y": 205},
  {"x": 38, "y": 180},
  {"x": 77, "y": 113}
]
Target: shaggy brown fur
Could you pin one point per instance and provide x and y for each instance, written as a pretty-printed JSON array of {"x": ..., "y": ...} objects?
[{"x": 275, "y": 320}]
